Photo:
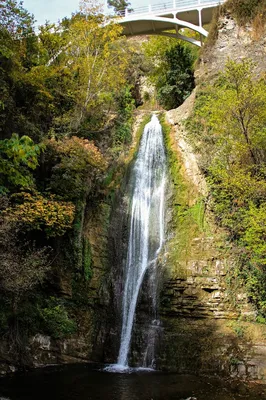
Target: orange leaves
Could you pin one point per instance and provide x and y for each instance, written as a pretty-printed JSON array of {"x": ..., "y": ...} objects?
[
  {"x": 38, "y": 212},
  {"x": 82, "y": 150}
]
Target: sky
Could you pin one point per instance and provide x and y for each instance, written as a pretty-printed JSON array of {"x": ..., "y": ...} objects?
[{"x": 53, "y": 10}]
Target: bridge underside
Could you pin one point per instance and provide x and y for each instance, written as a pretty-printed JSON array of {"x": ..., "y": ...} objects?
[{"x": 168, "y": 23}]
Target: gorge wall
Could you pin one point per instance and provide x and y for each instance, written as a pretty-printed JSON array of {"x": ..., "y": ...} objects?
[
  {"x": 87, "y": 271},
  {"x": 208, "y": 322}
]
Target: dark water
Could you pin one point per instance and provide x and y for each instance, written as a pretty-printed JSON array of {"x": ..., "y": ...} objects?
[{"x": 88, "y": 383}]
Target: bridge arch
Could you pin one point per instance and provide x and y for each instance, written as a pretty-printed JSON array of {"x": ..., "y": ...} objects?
[{"x": 159, "y": 19}]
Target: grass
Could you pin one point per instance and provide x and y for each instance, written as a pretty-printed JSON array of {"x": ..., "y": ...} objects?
[{"x": 245, "y": 11}]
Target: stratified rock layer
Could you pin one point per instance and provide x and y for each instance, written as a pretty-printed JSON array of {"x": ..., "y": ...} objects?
[{"x": 207, "y": 322}]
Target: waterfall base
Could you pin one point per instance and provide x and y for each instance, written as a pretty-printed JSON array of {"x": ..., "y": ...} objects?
[{"x": 122, "y": 369}]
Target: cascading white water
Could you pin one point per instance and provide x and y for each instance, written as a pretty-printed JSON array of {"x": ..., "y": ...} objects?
[{"x": 146, "y": 226}]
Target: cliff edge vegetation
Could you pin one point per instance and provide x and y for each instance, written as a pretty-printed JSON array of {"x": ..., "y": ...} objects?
[{"x": 228, "y": 122}]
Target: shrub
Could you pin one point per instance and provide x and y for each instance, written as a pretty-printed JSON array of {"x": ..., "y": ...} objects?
[
  {"x": 55, "y": 319},
  {"x": 17, "y": 157},
  {"x": 39, "y": 213},
  {"x": 79, "y": 165}
]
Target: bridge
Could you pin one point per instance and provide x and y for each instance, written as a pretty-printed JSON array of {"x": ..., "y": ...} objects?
[{"x": 170, "y": 18}]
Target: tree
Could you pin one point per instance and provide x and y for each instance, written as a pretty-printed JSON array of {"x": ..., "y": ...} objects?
[
  {"x": 15, "y": 19},
  {"x": 172, "y": 70},
  {"x": 230, "y": 117},
  {"x": 119, "y": 6},
  {"x": 97, "y": 64},
  {"x": 245, "y": 106}
]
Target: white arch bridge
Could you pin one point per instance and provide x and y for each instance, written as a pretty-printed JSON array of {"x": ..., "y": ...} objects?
[{"x": 159, "y": 19}]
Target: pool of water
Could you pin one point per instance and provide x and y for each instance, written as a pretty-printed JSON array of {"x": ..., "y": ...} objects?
[{"x": 86, "y": 382}]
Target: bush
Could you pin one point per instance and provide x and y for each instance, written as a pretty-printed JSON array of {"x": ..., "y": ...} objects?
[
  {"x": 172, "y": 72},
  {"x": 79, "y": 165},
  {"x": 228, "y": 122},
  {"x": 18, "y": 156},
  {"x": 39, "y": 213},
  {"x": 55, "y": 319}
]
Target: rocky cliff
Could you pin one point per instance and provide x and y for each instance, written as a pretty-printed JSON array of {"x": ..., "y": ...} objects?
[
  {"x": 208, "y": 322},
  {"x": 232, "y": 42}
]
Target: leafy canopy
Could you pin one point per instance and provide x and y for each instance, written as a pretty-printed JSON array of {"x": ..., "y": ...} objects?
[
  {"x": 229, "y": 122},
  {"x": 119, "y": 6},
  {"x": 172, "y": 70},
  {"x": 18, "y": 156}
]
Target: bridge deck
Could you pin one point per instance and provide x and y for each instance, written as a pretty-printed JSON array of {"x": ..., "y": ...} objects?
[{"x": 162, "y": 17}]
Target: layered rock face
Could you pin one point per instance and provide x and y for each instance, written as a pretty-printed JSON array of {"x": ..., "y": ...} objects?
[
  {"x": 233, "y": 42},
  {"x": 205, "y": 319},
  {"x": 204, "y": 292},
  {"x": 93, "y": 317},
  {"x": 208, "y": 323}
]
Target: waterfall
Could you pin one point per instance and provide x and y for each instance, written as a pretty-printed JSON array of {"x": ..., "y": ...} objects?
[{"x": 146, "y": 225}]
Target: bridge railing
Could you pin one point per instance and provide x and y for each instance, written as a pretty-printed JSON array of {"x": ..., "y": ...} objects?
[{"x": 168, "y": 5}]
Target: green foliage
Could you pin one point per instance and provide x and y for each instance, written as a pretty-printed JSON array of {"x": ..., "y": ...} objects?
[
  {"x": 119, "y": 6},
  {"x": 125, "y": 106},
  {"x": 56, "y": 320},
  {"x": 255, "y": 281},
  {"x": 87, "y": 260},
  {"x": 172, "y": 72},
  {"x": 17, "y": 157},
  {"x": 34, "y": 212},
  {"x": 52, "y": 43},
  {"x": 261, "y": 320},
  {"x": 75, "y": 249},
  {"x": 228, "y": 121},
  {"x": 80, "y": 165},
  {"x": 238, "y": 329},
  {"x": 254, "y": 236},
  {"x": 177, "y": 82}
]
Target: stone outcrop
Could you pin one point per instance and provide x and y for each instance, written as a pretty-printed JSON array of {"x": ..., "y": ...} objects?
[
  {"x": 207, "y": 322},
  {"x": 233, "y": 42},
  {"x": 201, "y": 290},
  {"x": 93, "y": 317}
]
